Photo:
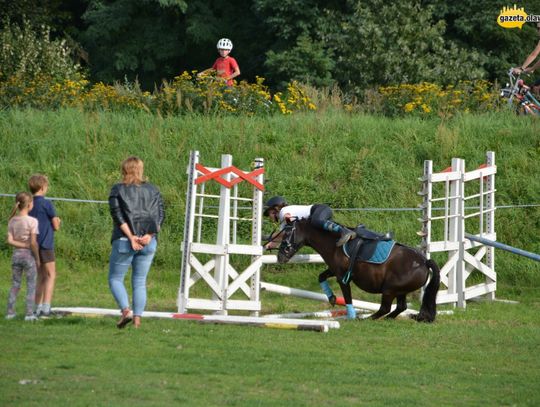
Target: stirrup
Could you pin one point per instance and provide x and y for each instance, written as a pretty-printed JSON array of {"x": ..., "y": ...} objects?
[
  {"x": 346, "y": 279},
  {"x": 345, "y": 237}
]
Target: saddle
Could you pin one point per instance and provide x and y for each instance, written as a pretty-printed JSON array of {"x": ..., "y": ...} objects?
[{"x": 368, "y": 246}]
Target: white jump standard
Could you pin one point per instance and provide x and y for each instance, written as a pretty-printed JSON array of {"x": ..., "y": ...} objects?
[
  {"x": 451, "y": 189},
  {"x": 222, "y": 287}
]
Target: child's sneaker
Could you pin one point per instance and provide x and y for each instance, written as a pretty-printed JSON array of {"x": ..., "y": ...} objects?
[
  {"x": 10, "y": 316},
  {"x": 30, "y": 318},
  {"x": 39, "y": 310}
]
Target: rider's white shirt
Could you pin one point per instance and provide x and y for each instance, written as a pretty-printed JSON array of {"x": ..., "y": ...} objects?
[{"x": 297, "y": 211}]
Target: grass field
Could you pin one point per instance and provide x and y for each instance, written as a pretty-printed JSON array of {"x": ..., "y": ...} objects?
[{"x": 485, "y": 355}]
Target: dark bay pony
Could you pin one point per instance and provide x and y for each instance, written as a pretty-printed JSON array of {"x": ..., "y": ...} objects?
[{"x": 405, "y": 271}]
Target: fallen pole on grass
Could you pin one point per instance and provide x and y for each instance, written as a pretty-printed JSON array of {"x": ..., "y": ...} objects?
[
  {"x": 315, "y": 314},
  {"x": 280, "y": 323}
]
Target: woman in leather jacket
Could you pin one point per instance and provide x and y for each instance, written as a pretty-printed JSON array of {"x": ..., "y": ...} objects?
[{"x": 137, "y": 211}]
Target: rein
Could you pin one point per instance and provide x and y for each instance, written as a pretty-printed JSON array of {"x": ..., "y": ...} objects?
[{"x": 274, "y": 237}]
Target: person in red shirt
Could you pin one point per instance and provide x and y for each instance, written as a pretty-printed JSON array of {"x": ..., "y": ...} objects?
[{"x": 225, "y": 66}]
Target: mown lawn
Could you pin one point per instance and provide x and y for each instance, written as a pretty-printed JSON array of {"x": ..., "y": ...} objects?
[{"x": 486, "y": 355}]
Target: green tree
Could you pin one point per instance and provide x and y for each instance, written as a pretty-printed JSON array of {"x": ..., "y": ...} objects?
[
  {"x": 473, "y": 25},
  {"x": 206, "y": 21},
  {"x": 298, "y": 32},
  {"x": 389, "y": 42},
  {"x": 133, "y": 39},
  {"x": 156, "y": 39},
  {"x": 307, "y": 61}
]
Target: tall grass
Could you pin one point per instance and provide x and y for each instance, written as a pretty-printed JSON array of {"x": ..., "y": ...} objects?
[
  {"x": 345, "y": 160},
  {"x": 486, "y": 355}
]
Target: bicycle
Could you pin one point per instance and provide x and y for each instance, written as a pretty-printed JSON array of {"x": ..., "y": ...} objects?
[{"x": 519, "y": 96}]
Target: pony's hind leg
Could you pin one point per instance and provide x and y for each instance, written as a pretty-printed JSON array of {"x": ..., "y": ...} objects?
[
  {"x": 386, "y": 305},
  {"x": 400, "y": 307}
]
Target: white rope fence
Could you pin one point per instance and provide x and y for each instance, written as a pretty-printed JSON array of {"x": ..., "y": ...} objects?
[{"x": 510, "y": 206}]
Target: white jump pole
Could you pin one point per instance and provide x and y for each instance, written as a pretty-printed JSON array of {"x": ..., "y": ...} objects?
[{"x": 280, "y": 323}]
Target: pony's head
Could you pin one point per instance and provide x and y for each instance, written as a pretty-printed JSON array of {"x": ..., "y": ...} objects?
[{"x": 292, "y": 241}]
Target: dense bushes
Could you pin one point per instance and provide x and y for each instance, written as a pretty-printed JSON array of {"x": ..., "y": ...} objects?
[
  {"x": 188, "y": 93},
  {"x": 38, "y": 72}
]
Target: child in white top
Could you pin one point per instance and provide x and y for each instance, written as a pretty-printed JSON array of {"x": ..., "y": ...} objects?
[
  {"x": 319, "y": 215},
  {"x": 22, "y": 231}
]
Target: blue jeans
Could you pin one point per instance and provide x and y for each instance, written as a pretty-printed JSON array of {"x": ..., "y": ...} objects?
[{"x": 123, "y": 256}]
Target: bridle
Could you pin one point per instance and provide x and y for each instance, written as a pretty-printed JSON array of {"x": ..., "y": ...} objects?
[
  {"x": 288, "y": 244},
  {"x": 273, "y": 236}
]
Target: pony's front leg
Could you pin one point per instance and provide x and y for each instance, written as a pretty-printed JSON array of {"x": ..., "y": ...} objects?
[
  {"x": 347, "y": 296},
  {"x": 326, "y": 287}
]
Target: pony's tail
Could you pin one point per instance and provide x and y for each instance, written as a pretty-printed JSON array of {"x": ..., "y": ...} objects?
[{"x": 428, "y": 310}]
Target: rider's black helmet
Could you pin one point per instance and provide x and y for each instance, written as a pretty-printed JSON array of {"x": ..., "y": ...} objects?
[{"x": 274, "y": 201}]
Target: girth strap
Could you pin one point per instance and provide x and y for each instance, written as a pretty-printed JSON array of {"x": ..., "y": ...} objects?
[{"x": 352, "y": 260}]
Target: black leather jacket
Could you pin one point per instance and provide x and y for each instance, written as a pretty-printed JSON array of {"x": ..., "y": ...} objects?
[{"x": 140, "y": 206}]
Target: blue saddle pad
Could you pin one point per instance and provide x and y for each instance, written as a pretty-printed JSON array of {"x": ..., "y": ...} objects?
[{"x": 371, "y": 251}]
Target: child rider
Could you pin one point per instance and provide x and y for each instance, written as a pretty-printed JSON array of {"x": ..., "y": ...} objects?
[{"x": 319, "y": 215}]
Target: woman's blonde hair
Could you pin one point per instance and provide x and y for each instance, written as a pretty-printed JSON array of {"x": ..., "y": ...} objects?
[
  {"x": 132, "y": 171},
  {"x": 22, "y": 201}
]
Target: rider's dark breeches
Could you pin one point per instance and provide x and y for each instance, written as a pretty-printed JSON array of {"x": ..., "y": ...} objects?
[{"x": 320, "y": 213}]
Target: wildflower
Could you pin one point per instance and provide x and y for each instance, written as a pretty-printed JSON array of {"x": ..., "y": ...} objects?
[{"x": 409, "y": 107}]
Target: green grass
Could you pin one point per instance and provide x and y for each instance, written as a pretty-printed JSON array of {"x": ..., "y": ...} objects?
[{"x": 485, "y": 355}]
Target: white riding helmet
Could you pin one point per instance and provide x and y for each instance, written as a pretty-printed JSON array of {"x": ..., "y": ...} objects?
[{"x": 224, "y": 43}]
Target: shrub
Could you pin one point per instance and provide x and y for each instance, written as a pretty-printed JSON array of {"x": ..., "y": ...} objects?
[
  {"x": 429, "y": 98},
  {"x": 187, "y": 93},
  {"x": 27, "y": 52}
]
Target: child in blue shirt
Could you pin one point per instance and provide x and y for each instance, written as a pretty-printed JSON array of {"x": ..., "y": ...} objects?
[{"x": 48, "y": 223}]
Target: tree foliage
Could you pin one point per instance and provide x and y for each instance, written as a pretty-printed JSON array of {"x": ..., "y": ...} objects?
[
  {"x": 132, "y": 39},
  {"x": 472, "y": 25},
  {"x": 384, "y": 43},
  {"x": 354, "y": 43}
]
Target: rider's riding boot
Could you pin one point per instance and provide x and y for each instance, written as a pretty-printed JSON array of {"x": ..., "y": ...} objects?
[{"x": 346, "y": 234}]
